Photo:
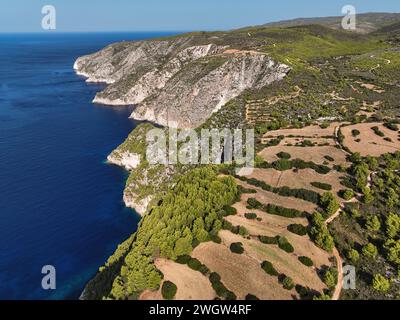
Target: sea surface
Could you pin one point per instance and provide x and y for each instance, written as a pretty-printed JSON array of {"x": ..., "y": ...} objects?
[{"x": 60, "y": 203}]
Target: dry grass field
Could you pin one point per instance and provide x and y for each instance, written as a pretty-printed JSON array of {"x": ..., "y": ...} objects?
[
  {"x": 267, "y": 197},
  {"x": 368, "y": 142},
  {"x": 192, "y": 285},
  {"x": 299, "y": 179},
  {"x": 314, "y": 154}
]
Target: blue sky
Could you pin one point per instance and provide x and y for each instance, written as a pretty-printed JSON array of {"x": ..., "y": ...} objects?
[{"x": 171, "y": 15}]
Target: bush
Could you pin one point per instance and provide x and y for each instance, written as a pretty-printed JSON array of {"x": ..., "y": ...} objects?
[
  {"x": 215, "y": 238},
  {"x": 183, "y": 259},
  {"x": 355, "y": 133},
  {"x": 302, "y": 291},
  {"x": 298, "y": 229},
  {"x": 370, "y": 251},
  {"x": 268, "y": 240},
  {"x": 347, "y": 194},
  {"x": 288, "y": 283},
  {"x": 253, "y": 204},
  {"x": 284, "y": 155},
  {"x": 329, "y": 158},
  {"x": 391, "y": 126},
  {"x": 237, "y": 248},
  {"x": 219, "y": 287},
  {"x": 284, "y": 212},
  {"x": 353, "y": 255},
  {"x": 168, "y": 290},
  {"x": 250, "y": 216},
  {"x": 322, "y": 186},
  {"x": 284, "y": 244},
  {"x": 306, "y": 261},
  {"x": 378, "y": 132},
  {"x": 194, "y": 264},
  {"x": 229, "y": 211},
  {"x": 380, "y": 283},
  {"x": 269, "y": 268}
]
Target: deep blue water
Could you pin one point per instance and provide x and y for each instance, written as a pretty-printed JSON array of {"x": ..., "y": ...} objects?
[{"x": 60, "y": 204}]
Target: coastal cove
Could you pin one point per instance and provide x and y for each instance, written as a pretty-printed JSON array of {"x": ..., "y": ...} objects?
[{"x": 60, "y": 202}]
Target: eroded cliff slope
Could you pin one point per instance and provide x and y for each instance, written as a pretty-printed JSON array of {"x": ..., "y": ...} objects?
[{"x": 179, "y": 81}]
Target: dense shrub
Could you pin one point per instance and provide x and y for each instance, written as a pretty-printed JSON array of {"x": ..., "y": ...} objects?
[
  {"x": 229, "y": 211},
  {"x": 284, "y": 212},
  {"x": 378, "y": 132},
  {"x": 219, "y": 287},
  {"x": 288, "y": 283},
  {"x": 391, "y": 126},
  {"x": 302, "y": 291},
  {"x": 306, "y": 261},
  {"x": 268, "y": 240},
  {"x": 250, "y": 216},
  {"x": 250, "y": 297},
  {"x": 284, "y": 244},
  {"x": 253, "y": 204},
  {"x": 298, "y": 229},
  {"x": 194, "y": 264},
  {"x": 322, "y": 186},
  {"x": 284, "y": 155},
  {"x": 168, "y": 290},
  {"x": 347, "y": 194},
  {"x": 237, "y": 247},
  {"x": 269, "y": 268},
  {"x": 183, "y": 259}
]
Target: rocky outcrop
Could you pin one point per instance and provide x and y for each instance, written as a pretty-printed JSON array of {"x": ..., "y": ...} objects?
[{"x": 176, "y": 80}]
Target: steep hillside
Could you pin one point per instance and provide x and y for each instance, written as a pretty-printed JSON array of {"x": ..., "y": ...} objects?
[{"x": 367, "y": 22}]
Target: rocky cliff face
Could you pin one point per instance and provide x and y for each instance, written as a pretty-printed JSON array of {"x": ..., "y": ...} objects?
[{"x": 175, "y": 81}]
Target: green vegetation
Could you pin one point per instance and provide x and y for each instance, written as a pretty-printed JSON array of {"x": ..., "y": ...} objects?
[
  {"x": 380, "y": 283},
  {"x": 367, "y": 235},
  {"x": 237, "y": 248},
  {"x": 284, "y": 155},
  {"x": 168, "y": 290},
  {"x": 319, "y": 232},
  {"x": 268, "y": 240},
  {"x": 284, "y": 244},
  {"x": 330, "y": 204},
  {"x": 285, "y": 164},
  {"x": 275, "y": 210},
  {"x": 298, "y": 229},
  {"x": 304, "y": 194},
  {"x": 347, "y": 194},
  {"x": 288, "y": 283},
  {"x": 269, "y": 268},
  {"x": 250, "y": 216},
  {"x": 330, "y": 277},
  {"x": 370, "y": 251},
  {"x": 219, "y": 287},
  {"x": 378, "y": 132},
  {"x": 322, "y": 186},
  {"x": 306, "y": 261},
  {"x": 187, "y": 212}
]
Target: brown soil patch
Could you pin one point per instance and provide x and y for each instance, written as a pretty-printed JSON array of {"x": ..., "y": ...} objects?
[
  {"x": 192, "y": 285},
  {"x": 370, "y": 143},
  {"x": 314, "y": 154},
  {"x": 266, "y": 197},
  {"x": 299, "y": 179},
  {"x": 310, "y": 131},
  {"x": 241, "y": 274}
]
